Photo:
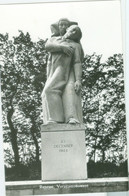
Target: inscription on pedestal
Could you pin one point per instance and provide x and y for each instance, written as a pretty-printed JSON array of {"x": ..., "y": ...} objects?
[
  {"x": 63, "y": 155},
  {"x": 63, "y": 146}
]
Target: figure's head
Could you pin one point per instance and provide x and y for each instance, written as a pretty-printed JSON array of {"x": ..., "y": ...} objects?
[
  {"x": 59, "y": 28},
  {"x": 63, "y": 24},
  {"x": 73, "y": 33}
]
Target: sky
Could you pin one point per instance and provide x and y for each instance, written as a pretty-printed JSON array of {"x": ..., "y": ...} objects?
[{"x": 100, "y": 22}]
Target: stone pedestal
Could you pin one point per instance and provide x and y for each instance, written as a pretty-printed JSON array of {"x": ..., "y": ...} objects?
[{"x": 63, "y": 152}]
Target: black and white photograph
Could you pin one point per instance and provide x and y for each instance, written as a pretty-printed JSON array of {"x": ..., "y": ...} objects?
[{"x": 63, "y": 97}]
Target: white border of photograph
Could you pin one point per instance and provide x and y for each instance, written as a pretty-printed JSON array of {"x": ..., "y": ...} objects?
[{"x": 125, "y": 24}]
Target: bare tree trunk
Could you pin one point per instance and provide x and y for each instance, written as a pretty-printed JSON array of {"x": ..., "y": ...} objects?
[
  {"x": 103, "y": 155},
  {"x": 35, "y": 141},
  {"x": 13, "y": 136}
]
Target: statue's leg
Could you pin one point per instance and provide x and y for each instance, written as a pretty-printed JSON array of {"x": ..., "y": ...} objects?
[
  {"x": 72, "y": 102},
  {"x": 52, "y": 96},
  {"x": 69, "y": 102}
]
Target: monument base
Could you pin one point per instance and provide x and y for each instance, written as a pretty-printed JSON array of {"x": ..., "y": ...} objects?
[{"x": 63, "y": 152}]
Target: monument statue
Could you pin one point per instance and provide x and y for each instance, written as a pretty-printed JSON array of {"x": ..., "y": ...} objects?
[
  {"x": 61, "y": 97},
  {"x": 63, "y": 132}
]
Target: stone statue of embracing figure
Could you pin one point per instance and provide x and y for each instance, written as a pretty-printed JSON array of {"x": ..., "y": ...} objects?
[{"x": 61, "y": 97}]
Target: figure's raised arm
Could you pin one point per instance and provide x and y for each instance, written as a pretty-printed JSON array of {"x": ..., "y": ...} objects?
[{"x": 52, "y": 45}]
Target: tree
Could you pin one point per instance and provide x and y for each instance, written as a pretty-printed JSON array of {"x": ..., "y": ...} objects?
[
  {"x": 22, "y": 63},
  {"x": 103, "y": 106}
]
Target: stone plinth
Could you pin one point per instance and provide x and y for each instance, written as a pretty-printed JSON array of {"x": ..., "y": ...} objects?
[
  {"x": 63, "y": 152},
  {"x": 92, "y": 185}
]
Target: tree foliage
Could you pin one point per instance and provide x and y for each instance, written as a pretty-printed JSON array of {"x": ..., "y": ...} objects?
[
  {"x": 104, "y": 108},
  {"x": 23, "y": 74},
  {"x": 23, "y": 66}
]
